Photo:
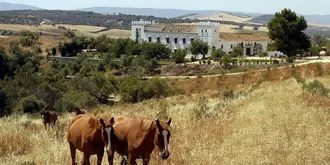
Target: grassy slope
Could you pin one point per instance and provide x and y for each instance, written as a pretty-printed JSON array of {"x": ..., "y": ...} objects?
[{"x": 275, "y": 124}]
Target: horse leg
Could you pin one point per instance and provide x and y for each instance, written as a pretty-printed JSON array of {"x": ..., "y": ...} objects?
[
  {"x": 99, "y": 158},
  {"x": 131, "y": 160},
  {"x": 86, "y": 160},
  {"x": 124, "y": 160},
  {"x": 73, "y": 153},
  {"x": 146, "y": 161},
  {"x": 110, "y": 159}
]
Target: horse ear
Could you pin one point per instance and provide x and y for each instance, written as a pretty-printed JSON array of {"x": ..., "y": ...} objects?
[
  {"x": 112, "y": 121},
  {"x": 169, "y": 122},
  {"x": 158, "y": 124},
  {"x": 102, "y": 122}
]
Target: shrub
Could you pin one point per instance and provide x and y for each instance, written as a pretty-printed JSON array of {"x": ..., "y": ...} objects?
[
  {"x": 229, "y": 94},
  {"x": 133, "y": 89},
  {"x": 316, "y": 87},
  {"x": 54, "y": 51},
  {"x": 209, "y": 62},
  {"x": 179, "y": 56},
  {"x": 28, "y": 163},
  {"x": 276, "y": 62},
  {"x": 30, "y": 104},
  {"x": 204, "y": 62},
  {"x": 201, "y": 108},
  {"x": 192, "y": 58},
  {"x": 73, "y": 99}
]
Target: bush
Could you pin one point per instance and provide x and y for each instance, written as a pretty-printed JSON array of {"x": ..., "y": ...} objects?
[
  {"x": 179, "y": 56},
  {"x": 133, "y": 89},
  {"x": 276, "y": 62},
  {"x": 229, "y": 94},
  {"x": 30, "y": 104},
  {"x": 73, "y": 99},
  {"x": 192, "y": 58},
  {"x": 209, "y": 62},
  {"x": 54, "y": 51},
  {"x": 28, "y": 163},
  {"x": 316, "y": 87}
]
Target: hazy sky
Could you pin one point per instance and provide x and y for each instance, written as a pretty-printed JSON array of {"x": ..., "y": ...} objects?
[{"x": 256, "y": 6}]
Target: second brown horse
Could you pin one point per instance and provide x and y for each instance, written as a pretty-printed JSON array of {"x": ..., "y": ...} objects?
[{"x": 137, "y": 138}]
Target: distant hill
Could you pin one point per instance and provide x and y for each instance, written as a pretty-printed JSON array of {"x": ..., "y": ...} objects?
[
  {"x": 13, "y": 6},
  {"x": 220, "y": 17},
  {"x": 311, "y": 19},
  {"x": 167, "y": 13}
]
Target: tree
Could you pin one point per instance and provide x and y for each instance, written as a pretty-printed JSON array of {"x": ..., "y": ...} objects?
[
  {"x": 4, "y": 63},
  {"x": 287, "y": 30},
  {"x": 217, "y": 54},
  {"x": 257, "y": 49},
  {"x": 28, "y": 38},
  {"x": 36, "y": 49},
  {"x": 155, "y": 50},
  {"x": 179, "y": 56},
  {"x": 199, "y": 47},
  {"x": 54, "y": 51},
  {"x": 14, "y": 47},
  {"x": 320, "y": 40},
  {"x": 271, "y": 47},
  {"x": 226, "y": 60},
  {"x": 69, "y": 34},
  {"x": 315, "y": 50},
  {"x": 238, "y": 51}
]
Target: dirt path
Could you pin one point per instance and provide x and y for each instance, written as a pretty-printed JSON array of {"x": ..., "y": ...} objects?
[{"x": 238, "y": 73}]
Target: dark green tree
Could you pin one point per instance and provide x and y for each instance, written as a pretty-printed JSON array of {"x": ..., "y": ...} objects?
[
  {"x": 287, "y": 30},
  {"x": 217, "y": 54},
  {"x": 54, "y": 51},
  {"x": 238, "y": 51},
  {"x": 199, "y": 47},
  {"x": 179, "y": 56}
]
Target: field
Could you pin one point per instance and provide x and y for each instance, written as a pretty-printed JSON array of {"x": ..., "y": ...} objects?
[
  {"x": 81, "y": 30},
  {"x": 45, "y": 42},
  {"x": 220, "y": 17},
  {"x": 261, "y": 122}
]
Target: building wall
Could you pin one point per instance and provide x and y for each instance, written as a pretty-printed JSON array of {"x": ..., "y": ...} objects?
[
  {"x": 228, "y": 46},
  {"x": 207, "y": 31},
  {"x": 172, "y": 45}
]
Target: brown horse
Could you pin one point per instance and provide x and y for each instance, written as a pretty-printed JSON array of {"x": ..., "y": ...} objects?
[
  {"x": 79, "y": 112},
  {"x": 49, "y": 118},
  {"x": 90, "y": 135},
  {"x": 137, "y": 138}
]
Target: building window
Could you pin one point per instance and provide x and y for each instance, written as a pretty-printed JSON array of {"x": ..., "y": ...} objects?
[
  {"x": 206, "y": 31},
  {"x": 231, "y": 46},
  {"x": 176, "y": 40},
  {"x": 255, "y": 44},
  {"x": 140, "y": 29},
  {"x": 222, "y": 46},
  {"x": 202, "y": 31},
  {"x": 158, "y": 39},
  {"x": 184, "y": 40},
  {"x": 215, "y": 30},
  {"x": 149, "y": 39},
  {"x": 167, "y": 39},
  {"x": 192, "y": 40}
]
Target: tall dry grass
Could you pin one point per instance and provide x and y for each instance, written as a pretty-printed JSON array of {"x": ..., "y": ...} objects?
[{"x": 275, "y": 124}]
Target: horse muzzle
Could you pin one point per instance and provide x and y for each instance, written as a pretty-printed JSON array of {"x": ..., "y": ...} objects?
[{"x": 165, "y": 155}]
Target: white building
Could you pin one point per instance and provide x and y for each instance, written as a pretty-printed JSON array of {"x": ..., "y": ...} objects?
[{"x": 180, "y": 36}]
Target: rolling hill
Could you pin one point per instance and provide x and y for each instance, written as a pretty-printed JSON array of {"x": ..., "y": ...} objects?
[
  {"x": 220, "y": 17},
  {"x": 167, "y": 13},
  {"x": 311, "y": 19},
  {"x": 14, "y": 6}
]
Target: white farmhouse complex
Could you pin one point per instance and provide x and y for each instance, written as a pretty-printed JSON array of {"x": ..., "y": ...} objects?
[{"x": 180, "y": 36}]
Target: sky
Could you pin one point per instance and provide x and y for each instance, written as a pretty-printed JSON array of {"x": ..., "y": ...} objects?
[{"x": 254, "y": 6}]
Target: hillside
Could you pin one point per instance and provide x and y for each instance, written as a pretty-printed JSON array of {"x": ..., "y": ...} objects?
[
  {"x": 311, "y": 19},
  {"x": 35, "y": 17},
  {"x": 168, "y": 13},
  {"x": 276, "y": 123},
  {"x": 220, "y": 17},
  {"x": 14, "y": 6}
]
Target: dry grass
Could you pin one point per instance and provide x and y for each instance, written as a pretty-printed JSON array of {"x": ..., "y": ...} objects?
[
  {"x": 275, "y": 124},
  {"x": 220, "y": 17},
  {"x": 45, "y": 42}
]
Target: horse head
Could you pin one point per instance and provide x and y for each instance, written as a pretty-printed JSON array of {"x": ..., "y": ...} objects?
[
  {"x": 107, "y": 133},
  {"x": 162, "y": 138}
]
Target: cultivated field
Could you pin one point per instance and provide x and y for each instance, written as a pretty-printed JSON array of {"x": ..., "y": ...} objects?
[
  {"x": 270, "y": 122},
  {"x": 45, "y": 42},
  {"x": 220, "y": 17}
]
